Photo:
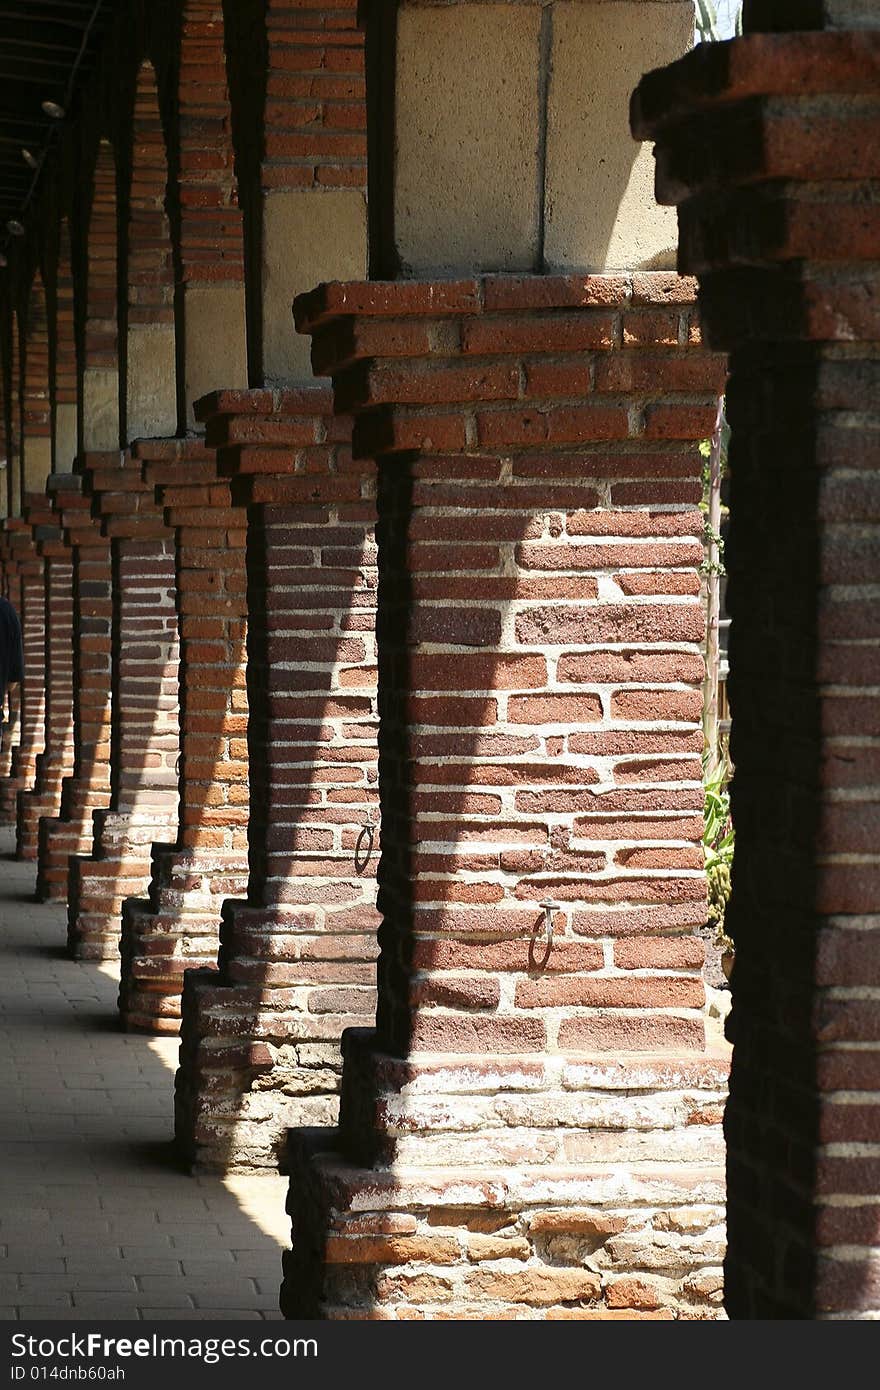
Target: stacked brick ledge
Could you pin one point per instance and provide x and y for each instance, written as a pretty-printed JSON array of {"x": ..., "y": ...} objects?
[
  {"x": 539, "y": 631},
  {"x": 260, "y": 1044},
  {"x": 769, "y": 149},
  {"x": 55, "y": 760},
  {"x": 175, "y": 928},
  {"x": 33, "y": 700},
  {"x": 87, "y": 790},
  {"x": 144, "y": 733}
]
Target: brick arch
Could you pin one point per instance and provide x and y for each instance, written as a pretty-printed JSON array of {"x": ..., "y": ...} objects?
[
  {"x": 150, "y": 267},
  {"x": 13, "y": 467},
  {"x": 211, "y": 233},
  {"x": 101, "y": 332},
  {"x": 64, "y": 358},
  {"x": 208, "y": 217},
  {"x": 5, "y": 450},
  {"x": 151, "y": 392},
  {"x": 35, "y": 398}
]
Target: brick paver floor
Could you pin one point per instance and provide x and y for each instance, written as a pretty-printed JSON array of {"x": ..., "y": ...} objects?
[{"x": 96, "y": 1220}]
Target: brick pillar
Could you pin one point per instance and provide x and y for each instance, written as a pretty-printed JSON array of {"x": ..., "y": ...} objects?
[
  {"x": 88, "y": 789},
  {"x": 12, "y": 585},
  {"x": 177, "y": 927},
  {"x": 770, "y": 148},
  {"x": 552, "y": 1103},
  {"x": 260, "y": 1045},
  {"x": 55, "y": 761},
  {"x": 32, "y": 613},
  {"x": 144, "y": 728}
]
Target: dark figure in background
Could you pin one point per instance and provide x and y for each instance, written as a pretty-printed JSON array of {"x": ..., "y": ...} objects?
[{"x": 11, "y": 658}]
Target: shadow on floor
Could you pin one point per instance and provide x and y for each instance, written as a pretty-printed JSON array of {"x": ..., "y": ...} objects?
[{"x": 97, "y": 1220}]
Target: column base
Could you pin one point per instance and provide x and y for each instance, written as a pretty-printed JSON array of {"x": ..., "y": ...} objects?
[
  {"x": 172, "y": 931},
  {"x": 43, "y": 800},
  {"x": 67, "y": 836},
  {"x": 627, "y": 1239},
  {"x": 260, "y": 1052},
  {"x": 118, "y": 869}
]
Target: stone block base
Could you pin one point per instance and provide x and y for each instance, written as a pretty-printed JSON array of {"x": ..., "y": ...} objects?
[
  {"x": 589, "y": 1241},
  {"x": 174, "y": 930},
  {"x": 261, "y": 1055},
  {"x": 100, "y": 884},
  {"x": 43, "y": 800},
  {"x": 68, "y": 835}
]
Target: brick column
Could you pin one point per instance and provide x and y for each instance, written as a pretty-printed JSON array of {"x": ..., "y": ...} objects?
[
  {"x": 260, "y": 1045},
  {"x": 177, "y": 927},
  {"x": 548, "y": 1102},
  {"x": 769, "y": 146},
  {"x": 88, "y": 789},
  {"x": 32, "y": 613},
  {"x": 12, "y": 585},
  {"x": 144, "y": 729},
  {"x": 55, "y": 761}
]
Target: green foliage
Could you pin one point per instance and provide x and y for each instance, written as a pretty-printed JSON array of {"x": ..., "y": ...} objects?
[
  {"x": 708, "y": 566},
  {"x": 718, "y": 844},
  {"x": 707, "y": 21}
]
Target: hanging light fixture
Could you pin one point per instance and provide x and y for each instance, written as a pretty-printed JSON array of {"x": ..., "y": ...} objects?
[
  {"x": 54, "y": 109},
  {"x": 14, "y": 227},
  {"x": 30, "y": 159}
]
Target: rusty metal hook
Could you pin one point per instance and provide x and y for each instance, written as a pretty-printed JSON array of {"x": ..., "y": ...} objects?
[
  {"x": 547, "y": 925},
  {"x": 368, "y": 831}
]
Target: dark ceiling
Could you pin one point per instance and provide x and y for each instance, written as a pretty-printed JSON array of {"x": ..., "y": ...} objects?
[{"x": 47, "y": 47}]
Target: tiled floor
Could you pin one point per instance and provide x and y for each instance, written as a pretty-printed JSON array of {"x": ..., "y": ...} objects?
[{"x": 96, "y": 1221}]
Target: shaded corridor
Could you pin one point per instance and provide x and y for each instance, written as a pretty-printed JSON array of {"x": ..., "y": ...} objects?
[{"x": 96, "y": 1221}]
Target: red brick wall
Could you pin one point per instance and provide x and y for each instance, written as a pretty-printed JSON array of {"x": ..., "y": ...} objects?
[
  {"x": 260, "y": 1046},
  {"x": 33, "y": 689},
  {"x": 88, "y": 789},
  {"x": 12, "y": 717},
  {"x": 150, "y": 269},
  {"x": 35, "y": 398},
  {"x": 786, "y": 244},
  {"x": 101, "y": 322},
  {"x": 539, "y": 631},
  {"x": 64, "y": 381},
  {"x": 178, "y": 927},
  {"x": 144, "y": 731},
  {"x": 211, "y": 244},
  {"x": 55, "y": 761},
  {"x": 315, "y": 114}
]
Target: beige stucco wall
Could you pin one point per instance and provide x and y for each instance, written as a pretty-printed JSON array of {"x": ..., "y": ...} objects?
[
  {"x": 308, "y": 236},
  {"x": 150, "y": 386},
  {"x": 215, "y": 340},
  {"x": 600, "y": 209},
  {"x": 512, "y": 141},
  {"x": 100, "y": 408},
  {"x": 37, "y": 462},
  {"x": 64, "y": 440},
  {"x": 467, "y": 137}
]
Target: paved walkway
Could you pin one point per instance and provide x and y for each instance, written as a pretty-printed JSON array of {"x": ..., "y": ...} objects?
[{"x": 96, "y": 1221}]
